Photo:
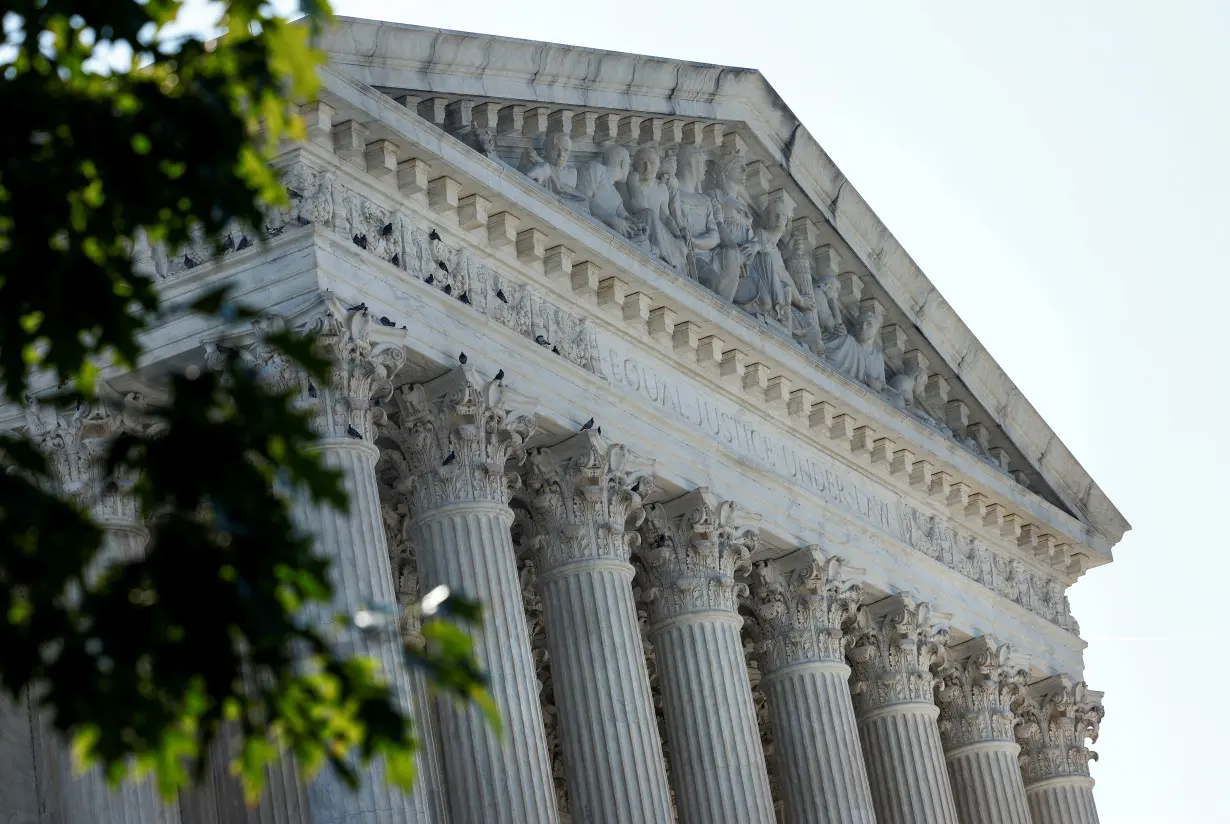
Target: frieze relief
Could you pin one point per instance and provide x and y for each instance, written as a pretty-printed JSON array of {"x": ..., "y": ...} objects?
[{"x": 318, "y": 198}]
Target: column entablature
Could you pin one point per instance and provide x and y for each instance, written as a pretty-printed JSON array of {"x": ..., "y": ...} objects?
[
  {"x": 339, "y": 196},
  {"x": 1020, "y": 578}
]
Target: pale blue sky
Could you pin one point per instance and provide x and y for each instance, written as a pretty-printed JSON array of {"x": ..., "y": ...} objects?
[{"x": 1060, "y": 172}]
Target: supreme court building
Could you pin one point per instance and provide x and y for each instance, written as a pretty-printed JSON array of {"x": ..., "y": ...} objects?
[{"x": 809, "y": 563}]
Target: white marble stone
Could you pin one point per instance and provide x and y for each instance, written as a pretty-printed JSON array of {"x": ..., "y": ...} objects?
[
  {"x": 801, "y": 603},
  {"x": 662, "y": 246},
  {"x": 691, "y": 549},
  {"x": 1055, "y": 722},
  {"x": 977, "y": 692},
  {"x": 581, "y": 496},
  {"x": 897, "y": 643},
  {"x": 453, "y": 437}
]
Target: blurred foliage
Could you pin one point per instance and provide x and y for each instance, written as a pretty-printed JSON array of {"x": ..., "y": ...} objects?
[{"x": 118, "y": 131}]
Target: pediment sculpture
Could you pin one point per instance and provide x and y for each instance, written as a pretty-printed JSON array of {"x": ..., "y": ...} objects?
[{"x": 691, "y": 210}]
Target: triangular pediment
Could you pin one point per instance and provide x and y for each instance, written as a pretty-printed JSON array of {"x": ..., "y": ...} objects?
[{"x": 729, "y": 159}]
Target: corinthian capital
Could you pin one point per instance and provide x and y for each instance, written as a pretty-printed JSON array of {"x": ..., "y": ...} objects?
[
  {"x": 362, "y": 371},
  {"x": 802, "y": 601},
  {"x": 691, "y": 548},
  {"x": 1052, "y": 726},
  {"x": 896, "y": 645},
  {"x": 452, "y": 439},
  {"x": 75, "y": 442},
  {"x": 582, "y": 495},
  {"x": 978, "y": 690}
]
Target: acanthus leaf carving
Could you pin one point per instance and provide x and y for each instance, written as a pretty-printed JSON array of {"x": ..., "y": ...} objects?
[
  {"x": 452, "y": 440},
  {"x": 979, "y": 688},
  {"x": 361, "y": 377},
  {"x": 1052, "y": 726},
  {"x": 76, "y": 440},
  {"x": 585, "y": 500},
  {"x": 691, "y": 549},
  {"x": 895, "y": 648},
  {"x": 802, "y": 603}
]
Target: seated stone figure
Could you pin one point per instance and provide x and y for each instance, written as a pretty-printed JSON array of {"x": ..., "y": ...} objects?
[
  {"x": 736, "y": 220},
  {"x": 858, "y": 356},
  {"x": 598, "y": 186},
  {"x": 648, "y": 203},
  {"x": 804, "y": 317},
  {"x": 775, "y": 295},
  {"x": 555, "y": 173}
]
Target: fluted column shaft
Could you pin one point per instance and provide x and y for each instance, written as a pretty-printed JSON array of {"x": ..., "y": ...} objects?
[
  {"x": 284, "y": 799},
  {"x": 1066, "y": 800},
  {"x": 986, "y": 783},
  {"x": 580, "y": 495},
  {"x": 718, "y": 764},
  {"x": 905, "y": 765},
  {"x": 360, "y": 572},
  {"x": 977, "y": 691},
  {"x": 821, "y": 759},
  {"x": 896, "y": 647},
  {"x": 612, "y": 752},
  {"x": 693, "y": 547},
  {"x": 87, "y": 797},
  {"x": 467, "y": 547},
  {"x": 801, "y": 602}
]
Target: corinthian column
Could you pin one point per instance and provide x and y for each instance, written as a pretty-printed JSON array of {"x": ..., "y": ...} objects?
[
  {"x": 75, "y": 443},
  {"x": 346, "y": 418},
  {"x": 1052, "y": 727},
  {"x": 896, "y": 645},
  {"x": 404, "y": 559},
  {"x": 453, "y": 439},
  {"x": 977, "y": 692},
  {"x": 692, "y": 547},
  {"x": 801, "y": 602},
  {"x": 581, "y": 495}
]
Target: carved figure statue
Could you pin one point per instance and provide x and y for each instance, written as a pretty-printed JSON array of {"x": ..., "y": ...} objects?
[
  {"x": 804, "y": 320},
  {"x": 483, "y": 141},
  {"x": 905, "y": 391},
  {"x": 858, "y": 356},
  {"x": 696, "y": 217},
  {"x": 828, "y": 308},
  {"x": 648, "y": 201},
  {"x": 776, "y": 295},
  {"x": 668, "y": 175},
  {"x": 555, "y": 173},
  {"x": 605, "y": 202},
  {"x": 735, "y": 221}
]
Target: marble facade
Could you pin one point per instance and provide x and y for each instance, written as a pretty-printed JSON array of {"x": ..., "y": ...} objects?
[{"x": 806, "y": 563}]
